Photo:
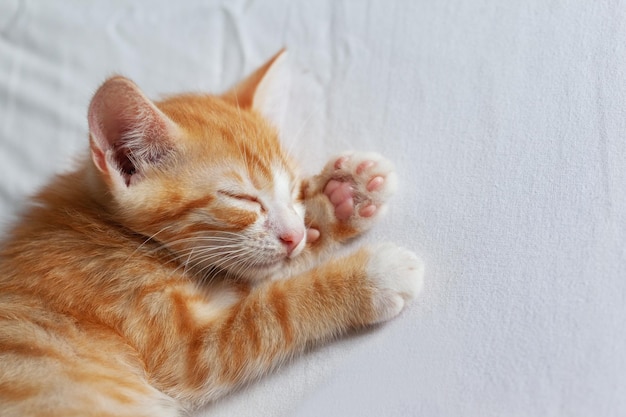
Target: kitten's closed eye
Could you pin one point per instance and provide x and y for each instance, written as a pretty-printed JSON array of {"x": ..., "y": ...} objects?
[{"x": 243, "y": 197}]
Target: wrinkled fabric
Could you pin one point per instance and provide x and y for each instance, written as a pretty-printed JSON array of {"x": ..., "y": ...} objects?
[{"x": 506, "y": 121}]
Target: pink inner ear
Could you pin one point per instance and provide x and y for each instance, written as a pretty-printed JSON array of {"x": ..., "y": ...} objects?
[{"x": 127, "y": 129}]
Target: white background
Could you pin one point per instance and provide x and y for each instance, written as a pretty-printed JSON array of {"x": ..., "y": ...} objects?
[{"x": 506, "y": 121}]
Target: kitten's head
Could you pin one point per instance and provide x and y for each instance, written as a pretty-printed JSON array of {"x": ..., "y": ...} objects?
[{"x": 204, "y": 175}]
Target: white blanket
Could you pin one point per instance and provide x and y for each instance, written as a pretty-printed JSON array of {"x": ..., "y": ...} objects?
[{"x": 506, "y": 121}]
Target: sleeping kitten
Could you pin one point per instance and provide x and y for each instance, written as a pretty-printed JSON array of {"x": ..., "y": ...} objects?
[{"x": 185, "y": 258}]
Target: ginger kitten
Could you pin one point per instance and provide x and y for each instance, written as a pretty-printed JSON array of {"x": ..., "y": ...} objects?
[{"x": 185, "y": 258}]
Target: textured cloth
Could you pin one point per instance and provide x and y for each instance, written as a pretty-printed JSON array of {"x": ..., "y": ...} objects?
[{"x": 506, "y": 121}]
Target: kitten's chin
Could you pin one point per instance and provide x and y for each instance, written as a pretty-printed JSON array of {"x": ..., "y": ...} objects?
[
  {"x": 264, "y": 268},
  {"x": 267, "y": 271}
]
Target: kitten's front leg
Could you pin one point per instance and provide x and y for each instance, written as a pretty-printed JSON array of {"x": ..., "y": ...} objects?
[
  {"x": 281, "y": 318},
  {"x": 347, "y": 197}
]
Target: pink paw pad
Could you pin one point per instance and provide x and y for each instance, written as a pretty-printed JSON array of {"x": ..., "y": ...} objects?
[
  {"x": 342, "y": 192},
  {"x": 364, "y": 166},
  {"x": 312, "y": 234},
  {"x": 375, "y": 183},
  {"x": 339, "y": 163},
  {"x": 368, "y": 211},
  {"x": 341, "y": 195}
]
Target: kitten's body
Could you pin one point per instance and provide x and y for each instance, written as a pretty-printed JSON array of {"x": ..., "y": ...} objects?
[{"x": 146, "y": 282}]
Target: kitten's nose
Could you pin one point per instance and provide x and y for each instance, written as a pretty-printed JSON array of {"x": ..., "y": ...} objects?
[{"x": 291, "y": 239}]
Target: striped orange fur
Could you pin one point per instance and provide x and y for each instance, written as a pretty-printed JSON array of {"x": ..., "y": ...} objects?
[{"x": 186, "y": 257}]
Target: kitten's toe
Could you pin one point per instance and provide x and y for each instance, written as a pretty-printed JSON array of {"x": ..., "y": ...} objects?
[
  {"x": 312, "y": 234},
  {"x": 368, "y": 210},
  {"x": 375, "y": 184}
]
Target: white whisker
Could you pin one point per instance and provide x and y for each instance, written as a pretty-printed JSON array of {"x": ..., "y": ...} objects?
[{"x": 148, "y": 239}]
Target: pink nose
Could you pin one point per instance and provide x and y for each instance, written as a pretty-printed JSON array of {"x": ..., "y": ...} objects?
[{"x": 291, "y": 239}]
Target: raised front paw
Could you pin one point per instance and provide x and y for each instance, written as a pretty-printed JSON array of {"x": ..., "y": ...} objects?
[
  {"x": 396, "y": 275},
  {"x": 358, "y": 184}
]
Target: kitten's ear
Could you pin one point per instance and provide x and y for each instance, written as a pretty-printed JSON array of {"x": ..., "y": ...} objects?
[
  {"x": 266, "y": 89},
  {"x": 127, "y": 131}
]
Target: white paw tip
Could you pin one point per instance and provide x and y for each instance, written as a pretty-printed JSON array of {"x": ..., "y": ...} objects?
[{"x": 397, "y": 275}]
